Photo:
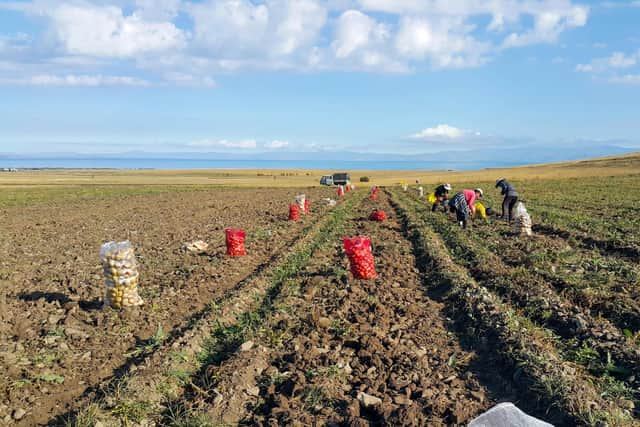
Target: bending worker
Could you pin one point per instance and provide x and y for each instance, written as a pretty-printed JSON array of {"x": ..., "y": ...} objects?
[
  {"x": 510, "y": 198},
  {"x": 441, "y": 194},
  {"x": 463, "y": 205}
]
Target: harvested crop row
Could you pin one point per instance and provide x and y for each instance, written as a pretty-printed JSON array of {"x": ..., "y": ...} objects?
[
  {"x": 605, "y": 286},
  {"x": 607, "y": 245},
  {"x": 165, "y": 375},
  {"x": 338, "y": 350},
  {"x": 540, "y": 301},
  {"x": 527, "y": 349}
]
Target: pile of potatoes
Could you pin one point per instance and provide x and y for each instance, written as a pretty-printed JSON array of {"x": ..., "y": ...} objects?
[{"x": 121, "y": 275}]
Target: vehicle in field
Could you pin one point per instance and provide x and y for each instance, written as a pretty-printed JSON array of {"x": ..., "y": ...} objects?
[
  {"x": 336, "y": 179},
  {"x": 326, "y": 180}
]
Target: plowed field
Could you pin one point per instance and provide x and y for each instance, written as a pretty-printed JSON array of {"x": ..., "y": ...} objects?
[{"x": 456, "y": 321}]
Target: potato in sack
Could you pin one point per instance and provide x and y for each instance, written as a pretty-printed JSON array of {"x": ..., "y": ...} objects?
[
  {"x": 294, "y": 212},
  {"x": 300, "y": 201},
  {"x": 377, "y": 216},
  {"x": 121, "y": 275},
  {"x": 235, "y": 241},
  {"x": 358, "y": 250}
]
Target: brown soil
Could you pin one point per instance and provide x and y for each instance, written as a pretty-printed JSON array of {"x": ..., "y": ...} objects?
[
  {"x": 331, "y": 338},
  {"x": 57, "y": 342}
]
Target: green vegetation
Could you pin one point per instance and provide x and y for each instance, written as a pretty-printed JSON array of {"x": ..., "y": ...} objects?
[
  {"x": 151, "y": 344},
  {"x": 33, "y": 196},
  {"x": 530, "y": 349}
]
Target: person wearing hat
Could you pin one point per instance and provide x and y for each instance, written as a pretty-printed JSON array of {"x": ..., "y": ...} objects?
[
  {"x": 441, "y": 194},
  {"x": 464, "y": 206},
  {"x": 510, "y": 198}
]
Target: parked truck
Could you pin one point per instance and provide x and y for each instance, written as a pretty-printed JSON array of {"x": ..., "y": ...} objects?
[{"x": 336, "y": 179}]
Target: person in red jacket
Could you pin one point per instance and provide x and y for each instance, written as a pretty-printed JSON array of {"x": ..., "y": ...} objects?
[{"x": 463, "y": 205}]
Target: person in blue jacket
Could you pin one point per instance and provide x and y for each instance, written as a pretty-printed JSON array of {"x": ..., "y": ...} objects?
[{"x": 510, "y": 198}]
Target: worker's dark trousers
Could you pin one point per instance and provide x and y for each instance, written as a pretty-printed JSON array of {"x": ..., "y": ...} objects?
[
  {"x": 461, "y": 217},
  {"x": 508, "y": 204}
]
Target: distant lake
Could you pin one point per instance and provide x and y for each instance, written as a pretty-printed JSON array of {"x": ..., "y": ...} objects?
[{"x": 114, "y": 163}]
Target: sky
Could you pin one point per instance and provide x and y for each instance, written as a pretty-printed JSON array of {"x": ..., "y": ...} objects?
[{"x": 387, "y": 76}]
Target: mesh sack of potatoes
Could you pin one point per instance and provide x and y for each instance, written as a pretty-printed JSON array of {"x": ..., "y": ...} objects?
[
  {"x": 522, "y": 222},
  {"x": 120, "y": 274},
  {"x": 300, "y": 201}
]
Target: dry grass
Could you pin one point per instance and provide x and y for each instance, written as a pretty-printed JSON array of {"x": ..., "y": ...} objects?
[{"x": 610, "y": 166}]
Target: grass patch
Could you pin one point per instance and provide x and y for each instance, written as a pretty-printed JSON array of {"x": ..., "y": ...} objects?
[
  {"x": 131, "y": 411},
  {"x": 151, "y": 344}
]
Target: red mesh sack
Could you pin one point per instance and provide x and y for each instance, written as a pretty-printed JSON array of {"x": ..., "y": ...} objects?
[
  {"x": 377, "y": 216},
  {"x": 294, "y": 212},
  {"x": 307, "y": 207},
  {"x": 374, "y": 196},
  {"x": 340, "y": 192},
  {"x": 235, "y": 241},
  {"x": 358, "y": 250}
]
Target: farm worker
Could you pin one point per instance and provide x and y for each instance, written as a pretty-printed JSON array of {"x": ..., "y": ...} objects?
[
  {"x": 441, "y": 194},
  {"x": 463, "y": 205},
  {"x": 510, "y": 198},
  {"x": 481, "y": 211}
]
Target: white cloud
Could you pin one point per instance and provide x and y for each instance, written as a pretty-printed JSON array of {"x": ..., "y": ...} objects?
[
  {"x": 445, "y": 42},
  {"x": 361, "y": 42},
  {"x": 548, "y": 24},
  {"x": 158, "y": 10},
  {"x": 617, "y": 60},
  {"x": 75, "y": 80},
  {"x": 620, "y": 60},
  {"x": 620, "y": 4},
  {"x": 276, "y": 144},
  {"x": 355, "y": 30},
  {"x": 189, "y": 80},
  {"x": 627, "y": 79},
  {"x": 584, "y": 68},
  {"x": 298, "y": 24},
  {"x": 223, "y": 143},
  {"x": 104, "y": 31},
  {"x": 239, "y": 28},
  {"x": 318, "y": 35},
  {"x": 442, "y": 131}
]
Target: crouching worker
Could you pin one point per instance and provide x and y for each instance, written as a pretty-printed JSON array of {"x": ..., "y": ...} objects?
[
  {"x": 510, "y": 198},
  {"x": 481, "y": 211},
  {"x": 440, "y": 196},
  {"x": 463, "y": 205}
]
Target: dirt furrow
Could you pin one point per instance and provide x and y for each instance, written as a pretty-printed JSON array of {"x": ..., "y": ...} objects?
[
  {"x": 143, "y": 395},
  {"x": 345, "y": 351}
]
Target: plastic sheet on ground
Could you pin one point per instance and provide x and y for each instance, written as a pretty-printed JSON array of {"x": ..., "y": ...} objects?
[
  {"x": 507, "y": 414},
  {"x": 197, "y": 246}
]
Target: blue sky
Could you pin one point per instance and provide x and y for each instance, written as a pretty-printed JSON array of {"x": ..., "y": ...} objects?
[{"x": 397, "y": 76}]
